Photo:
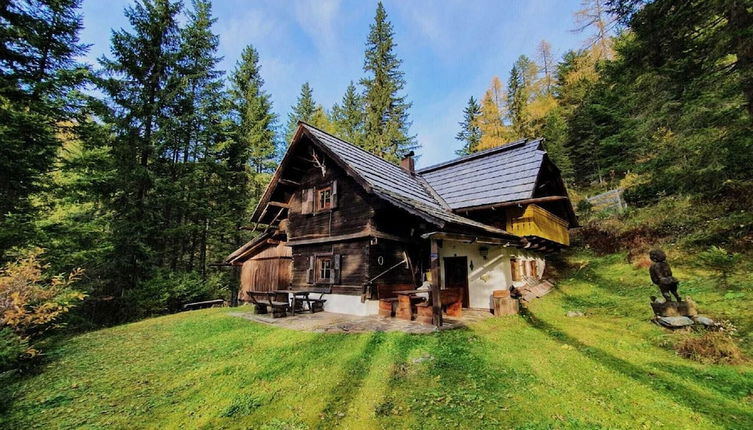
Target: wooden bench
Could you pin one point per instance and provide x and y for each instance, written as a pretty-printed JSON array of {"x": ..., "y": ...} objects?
[
  {"x": 317, "y": 304},
  {"x": 265, "y": 300},
  {"x": 204, "y": 304}
]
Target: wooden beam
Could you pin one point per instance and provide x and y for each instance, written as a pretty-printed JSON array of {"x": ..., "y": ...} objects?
[
  {"x": 436, "y": 273},
  {"x": 279, "y": 205},
  {"x": 289, "y": 182},
  {"x": 296, "y": 241},
  {"x": 469, "y": 238},
  {"x": 515, "y": 203},
  {"x": 324, "y": 238}
]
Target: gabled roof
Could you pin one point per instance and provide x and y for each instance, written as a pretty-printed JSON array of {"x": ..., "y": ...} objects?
[
  {"x": 393, "y": 184},
  {"x": 503, "y": 174},
  {"x": 382, "y": 178}
]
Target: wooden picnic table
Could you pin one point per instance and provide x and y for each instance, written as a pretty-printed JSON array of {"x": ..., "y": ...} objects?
[
  {"x": 299, "y": 297},
  {"x": 406, "y": 301},
  {"x": 271, "y": 299}
]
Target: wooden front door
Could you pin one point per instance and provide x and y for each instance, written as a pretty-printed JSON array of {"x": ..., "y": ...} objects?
[{"x": 456, "y": 275}]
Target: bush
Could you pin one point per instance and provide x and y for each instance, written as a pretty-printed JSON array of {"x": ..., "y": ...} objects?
[
  {"x": 721, "y": 262},
  {"x": 31, "y": 304},
  {"x": 711, "y": 348},
  {"x": 12, "y": 349},
  {"x": 168, "y": 291}
]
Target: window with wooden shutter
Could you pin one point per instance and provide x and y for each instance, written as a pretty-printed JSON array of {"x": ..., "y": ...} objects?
[
  {"x": 532, "y": 268},
  {"x": 310, "y": 271},
  {"x": 515, "y": 270}
]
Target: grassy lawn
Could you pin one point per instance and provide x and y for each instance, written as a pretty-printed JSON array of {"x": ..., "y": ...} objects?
[{"x": 206, "y": 369}]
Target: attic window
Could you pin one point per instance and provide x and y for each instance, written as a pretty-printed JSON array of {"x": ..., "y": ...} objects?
[{"x": 324, "y": 198}]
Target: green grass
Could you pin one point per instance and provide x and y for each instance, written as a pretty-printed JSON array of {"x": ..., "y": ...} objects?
[{"x": 542, "y": 370}]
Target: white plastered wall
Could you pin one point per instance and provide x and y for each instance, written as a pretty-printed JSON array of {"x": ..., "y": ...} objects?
[
  {"x": 346, "y": 304},
  {"x": 490, "y": 273}
]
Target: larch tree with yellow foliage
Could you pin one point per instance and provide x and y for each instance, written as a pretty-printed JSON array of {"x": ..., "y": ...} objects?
[{"x": 490, "y": 121}]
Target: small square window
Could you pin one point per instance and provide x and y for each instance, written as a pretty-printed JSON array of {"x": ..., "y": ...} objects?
[
  {"x": 324, "y": 198},
  {"x": 324, "y": 269}
]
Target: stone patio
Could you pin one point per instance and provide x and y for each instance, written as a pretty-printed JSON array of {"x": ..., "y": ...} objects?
[{"x": 329, "y": 322}]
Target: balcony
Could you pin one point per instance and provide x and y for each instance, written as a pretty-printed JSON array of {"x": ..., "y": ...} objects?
[{"x": 532, "y": 220}]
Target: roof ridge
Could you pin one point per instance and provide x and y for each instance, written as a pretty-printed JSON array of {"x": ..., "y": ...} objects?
[
  {"x": 349, "y": 143},
  {"x": 420, "y": 181},
  {"x": 504, "y": 147}
]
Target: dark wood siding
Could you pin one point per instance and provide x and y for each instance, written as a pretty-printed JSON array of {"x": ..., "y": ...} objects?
[
  {"x": 354, "y": 265},
  {"x": 392, "y": 253},
  {"x": 352, "y": 214}
]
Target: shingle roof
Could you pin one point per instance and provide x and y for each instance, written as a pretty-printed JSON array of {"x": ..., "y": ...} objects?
[
  {"x": 498, "y": 175},
  {"x": 392, "y": 183}
]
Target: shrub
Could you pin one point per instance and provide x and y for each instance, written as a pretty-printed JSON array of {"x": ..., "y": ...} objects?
[
  {"x": 167, "y": 291},
  {"x": 711, "y": 347},
  {"x": 30, "y": 304},
  {"x": 720, "y": 261}
]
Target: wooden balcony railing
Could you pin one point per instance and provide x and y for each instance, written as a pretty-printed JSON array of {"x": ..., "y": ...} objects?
[{"x": 532, "y": 220}]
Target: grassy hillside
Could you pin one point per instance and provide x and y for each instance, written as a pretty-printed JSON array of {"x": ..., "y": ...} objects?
[{"x": 207, "y": 369}]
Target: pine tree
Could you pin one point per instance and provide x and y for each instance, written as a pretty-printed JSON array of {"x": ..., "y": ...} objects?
[
  {"x": 249, "y": 155},
  {"x": 349, "y": 116},
  {"x": 520, "y": 88},
  {"x": 38, "y": 73},
  {"x": 387, "y": 125},
  {"x": 184, "y": 187},
  {"x": 253, "y": 110},
  {"x": 470, "y": 132},
  {"x": 302, "y": 111},
  {"x": 137, "y": 78}
]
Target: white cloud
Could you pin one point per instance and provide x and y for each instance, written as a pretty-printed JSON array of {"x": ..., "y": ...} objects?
[{"x": 318, "y": 19}]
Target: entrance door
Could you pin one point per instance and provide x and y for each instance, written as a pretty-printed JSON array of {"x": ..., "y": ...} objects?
[{"x": 456, "y": 275}]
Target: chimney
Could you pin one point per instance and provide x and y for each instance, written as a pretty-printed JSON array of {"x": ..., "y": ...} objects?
[{"x": 407, "y": 163}]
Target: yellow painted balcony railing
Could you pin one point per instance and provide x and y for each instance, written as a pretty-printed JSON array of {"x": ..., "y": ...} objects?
[{"x": 535, "y": 221}]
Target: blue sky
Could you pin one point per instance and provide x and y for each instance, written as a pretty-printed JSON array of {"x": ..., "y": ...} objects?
[{"x": 450, "y": 49}]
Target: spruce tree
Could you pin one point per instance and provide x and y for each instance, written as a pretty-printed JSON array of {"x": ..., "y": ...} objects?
[
  {"x": 184, "y": 186},
  {"x": 387, "y": 125},
  {"x": 249, "y": 155},
  {"x": 136, "y": 83},
  {"x": 470, "y": 132},
  {"x": 38, "y": 72},
  {"x": 302, "y": 111},
  {"x": 349, "y": 116},
  {"x": 253, "y": 111}
]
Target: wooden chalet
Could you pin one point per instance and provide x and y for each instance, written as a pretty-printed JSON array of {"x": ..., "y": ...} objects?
[{"x": 339, "y": 218}]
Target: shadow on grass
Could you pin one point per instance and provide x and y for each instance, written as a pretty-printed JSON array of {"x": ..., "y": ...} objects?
[
  {"x": 730, "y": 416},
  {"x": 344, "y": 392},
  {"x": 731, "y": 382}
]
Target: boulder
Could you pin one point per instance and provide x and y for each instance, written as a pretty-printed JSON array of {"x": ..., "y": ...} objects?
[
  {"x": 704, "y": 321},
  {"x": 674, "y": 322}
]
